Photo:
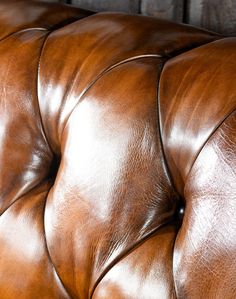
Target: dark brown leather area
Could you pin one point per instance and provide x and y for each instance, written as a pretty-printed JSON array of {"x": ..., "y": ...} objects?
[{"x": 22, "y": 15}]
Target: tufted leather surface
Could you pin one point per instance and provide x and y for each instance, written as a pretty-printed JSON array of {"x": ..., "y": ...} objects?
[{"x": 110, "y": 124}]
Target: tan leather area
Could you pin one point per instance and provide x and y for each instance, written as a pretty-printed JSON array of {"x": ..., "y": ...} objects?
[
  {"x": 90, "y": 161},
  {"x": 204, "y": 255},
  {"x": 199, "y": 84},
  {"x": 93, "y": 45},
  {"x": 113, "y": 191},
  {"x": 29, "y": 160},
  {"x": 26, "y": 268},
  {"x": 146, "y": 272}
]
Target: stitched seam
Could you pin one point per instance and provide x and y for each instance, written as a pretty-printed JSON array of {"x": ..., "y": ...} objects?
[
  {"x": 167, "y": 168},
  {"x": 52, "y": 28},
  {"x": 34, "y": 187},
  {"x": 38, "y": 72},
  {"x": 159, "y": 110},
  {"x": 178, "y": 225},
  {"x": 49, "y": 146},
  {"x": 166, "y": 165},
  {"x": 47, "y": 249},
  {"x": 126, "y": 252},
  {"x": 22, "y": 31},
  {"x": 218, "y": 126},
  {"x": 186, "y": 50},
  {"x": 80, "y": 98},
  {"x": 173, "y": 260},
  {"x": 118, "y": 258},
  {"x": 104, "y": 72},
  {"x": 167, "y": 57},
  {"x": 37, "y": 92}
]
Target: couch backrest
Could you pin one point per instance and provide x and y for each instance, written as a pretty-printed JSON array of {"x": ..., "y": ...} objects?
[{"x": 111, "y": 126}]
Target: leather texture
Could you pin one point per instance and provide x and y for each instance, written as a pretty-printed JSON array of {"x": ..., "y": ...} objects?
[{"x": 110, "y": 126}]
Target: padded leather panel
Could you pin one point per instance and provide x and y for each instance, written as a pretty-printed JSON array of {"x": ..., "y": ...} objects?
[
  {"x": 93, "y": 45},
  {"x": 204, "y": 255},
  {"x": 146, "y": 272},
  {"x": 197, "y": 93},
  {"x": 25, "y": 14},
  {"x": 86, "y": 175},
  {"x": 119, "y": 189},
  {"x": 25, "y": 177},
  {"x": 25, "y": 155}
]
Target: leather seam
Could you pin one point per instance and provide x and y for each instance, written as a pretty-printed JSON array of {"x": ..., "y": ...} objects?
[
  {"x": 178, "y": 225},
  {"x": 49, "y": 146},
  {"x": 37, "y": 93},
  {"x": 182, "y": 51},
  {"x": 22, "y": 31},
  {"x": 218, "y": 126},
  {"x": 100, "y": 75},
  {"x": 44, "y": 234},
  {"x": 128, "y": 251},
  {"x": 38, "y": 72},
  {"x": 166, "y": 165},
  {"x": 52, "y": 28},
  {"x": 20, "y": 197},
  {"x": 159, "y": 110},
  {"x": 47, "y": 249}
]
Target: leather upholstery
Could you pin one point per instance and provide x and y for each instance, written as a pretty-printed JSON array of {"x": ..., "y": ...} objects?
[{"x": 110, "y": 125}]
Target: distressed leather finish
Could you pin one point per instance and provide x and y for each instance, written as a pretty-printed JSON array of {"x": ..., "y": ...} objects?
[{"x": 111, "y": 125}]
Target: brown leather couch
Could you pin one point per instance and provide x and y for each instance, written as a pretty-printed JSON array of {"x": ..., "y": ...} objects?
[{"x": 118, "y": 156}]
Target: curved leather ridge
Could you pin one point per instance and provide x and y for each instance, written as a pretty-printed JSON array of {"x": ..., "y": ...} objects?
[
  {"x": 30, "y": 158},
  {"x": 95, "y": 44},
  {"x": 20, "y": 15},
  {"x": 197, "y": 92},
  {"x": 111, "y": 179},
  {"x": 91, "y": 129},
  {"x": 146, "y": 272},
  {"x": 204, "y": 254}
]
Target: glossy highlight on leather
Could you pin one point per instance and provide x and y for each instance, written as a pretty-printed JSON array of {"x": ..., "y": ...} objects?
[{"x": 117, "y": 156}]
